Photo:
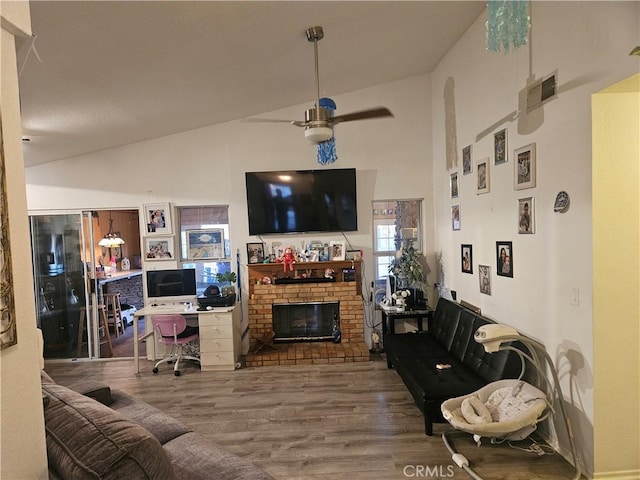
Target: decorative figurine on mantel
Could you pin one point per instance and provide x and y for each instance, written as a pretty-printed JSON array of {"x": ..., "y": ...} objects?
[{"x": 288, "y": 258}]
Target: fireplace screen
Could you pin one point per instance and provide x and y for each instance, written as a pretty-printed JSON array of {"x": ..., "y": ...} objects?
[{"x": 306, "y": 322}]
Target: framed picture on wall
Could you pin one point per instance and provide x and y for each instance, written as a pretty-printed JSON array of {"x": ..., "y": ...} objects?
[
  {"x": 525, "y": 167},
  {"x": 454, "y": 185},
  {"x": 158, "y": 248},
  {"x": 484, "y": 274},
  {"x": 483, "y": 181},
  {"x": 205, "y": 244},
  {"x": 455, "y": 217},
  {"x": 157, "y": 218},
  {"x": 466, "y": 258},
  {"x": 500, "y": 147},
  {"x": 504, "y": 259},
  {"x": 255, "y": 252},
  {"x": 8, "y": 319},
  {"x": 467, "y": 167},
  {"x": 526, "y": 215}
]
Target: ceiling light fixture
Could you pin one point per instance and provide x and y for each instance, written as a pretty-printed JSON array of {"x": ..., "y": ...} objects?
[{"x": 111, "y": 240}]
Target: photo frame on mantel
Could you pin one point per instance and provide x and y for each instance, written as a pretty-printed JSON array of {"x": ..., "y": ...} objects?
[
  {"x": 255, "y": 252},
  {"x": 336, "y": 251}
]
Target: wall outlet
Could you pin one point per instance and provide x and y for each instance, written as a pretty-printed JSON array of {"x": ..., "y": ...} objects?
[{"x": 575, "y": 297}]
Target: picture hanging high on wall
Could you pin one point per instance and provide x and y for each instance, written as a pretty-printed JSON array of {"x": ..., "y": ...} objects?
[
  {"x": 157, "y": 218},
  {"x": 483, "y": 180},
  {"x": 454, "y": 185},
  {"x": 500, "y": 147},
  {"x": 525, "y": 167},
  {"x": 467, "y": 167}
]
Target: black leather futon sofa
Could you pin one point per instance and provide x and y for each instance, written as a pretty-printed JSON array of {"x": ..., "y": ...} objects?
[{"x": 445, "y": 361}]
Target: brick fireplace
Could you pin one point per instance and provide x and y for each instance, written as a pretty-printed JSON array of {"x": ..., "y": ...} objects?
[{"x": 352, "y": 347}]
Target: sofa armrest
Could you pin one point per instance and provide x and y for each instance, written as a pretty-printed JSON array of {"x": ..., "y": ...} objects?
[{"x": 93, "y": 389}]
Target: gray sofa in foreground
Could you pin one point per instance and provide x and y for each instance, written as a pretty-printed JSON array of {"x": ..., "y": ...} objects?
[{"x": 99, "y": 433}]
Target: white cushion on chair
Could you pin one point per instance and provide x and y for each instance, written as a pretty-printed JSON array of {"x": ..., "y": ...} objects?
[{"x": 474, "y": 411}]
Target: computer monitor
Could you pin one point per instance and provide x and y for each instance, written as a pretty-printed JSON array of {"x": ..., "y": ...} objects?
[{"x": 175, "y": 285}]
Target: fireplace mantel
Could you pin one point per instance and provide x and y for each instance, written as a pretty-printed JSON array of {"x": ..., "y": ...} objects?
[{"x": 310, "y": 270}]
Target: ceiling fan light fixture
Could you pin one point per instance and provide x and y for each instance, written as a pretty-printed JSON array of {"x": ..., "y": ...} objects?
[
  {"x": 319, "y": 128},
  {"x": 316, "y": 135}
]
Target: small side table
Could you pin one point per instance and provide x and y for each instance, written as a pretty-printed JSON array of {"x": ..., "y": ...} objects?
[{"x": 391, "y": 314}]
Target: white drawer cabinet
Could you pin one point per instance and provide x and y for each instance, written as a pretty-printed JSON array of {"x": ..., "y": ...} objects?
[{"x": 219, "y": 339}]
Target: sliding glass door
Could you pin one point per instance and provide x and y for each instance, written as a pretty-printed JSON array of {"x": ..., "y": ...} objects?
[{"x": 63, "y": 290}]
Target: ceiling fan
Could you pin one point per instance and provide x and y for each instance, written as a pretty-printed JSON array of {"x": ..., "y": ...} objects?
[{"x": 319, "y": 121}]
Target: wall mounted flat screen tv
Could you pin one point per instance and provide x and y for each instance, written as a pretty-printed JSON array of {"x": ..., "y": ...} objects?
[
  {"x": 298, "y": 201},
  {"x": 171, "y": 283}
]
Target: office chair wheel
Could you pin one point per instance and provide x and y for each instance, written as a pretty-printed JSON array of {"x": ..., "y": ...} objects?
[
  {"x": 155, "y": 370},
  {"x": 176, "y": 373}
]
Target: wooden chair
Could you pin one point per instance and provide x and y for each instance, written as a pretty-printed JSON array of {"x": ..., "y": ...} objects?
[
  {"x": 103, "y": 327},
  {"x": 114, "y": 312}
]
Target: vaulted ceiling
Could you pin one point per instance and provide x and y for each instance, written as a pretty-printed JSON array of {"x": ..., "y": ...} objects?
[{"x": 115, "y": 73}]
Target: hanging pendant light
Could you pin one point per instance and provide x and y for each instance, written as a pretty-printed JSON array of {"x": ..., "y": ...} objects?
[{"x": 111, "y": 240}]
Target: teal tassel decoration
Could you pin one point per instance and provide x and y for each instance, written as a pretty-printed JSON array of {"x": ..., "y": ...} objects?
[
  {"x": 327, "y": 150},
  {"x": 508, "y": 24}
]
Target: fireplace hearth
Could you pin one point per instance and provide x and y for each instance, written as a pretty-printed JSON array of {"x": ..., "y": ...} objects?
[{"x": 306, "y": 322}]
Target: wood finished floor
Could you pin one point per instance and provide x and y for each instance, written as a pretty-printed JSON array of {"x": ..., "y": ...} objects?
[{"x": 331, "y": 422}]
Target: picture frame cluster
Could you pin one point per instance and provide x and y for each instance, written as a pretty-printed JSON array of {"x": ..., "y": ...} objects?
[
  {"x": 158, "y": 241},
  {"x": 524, "y": 165},
  {"x": 524, "y": 177}
]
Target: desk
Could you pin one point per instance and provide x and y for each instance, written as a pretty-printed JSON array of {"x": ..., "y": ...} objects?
[
  {"x": 391, "y": 314},
  {"x": 220, "y": 334}
]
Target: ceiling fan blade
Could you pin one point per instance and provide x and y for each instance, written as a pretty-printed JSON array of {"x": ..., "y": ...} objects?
[
  {"x": 297, "y": 123},
  {"x": 378, "y": 112}
]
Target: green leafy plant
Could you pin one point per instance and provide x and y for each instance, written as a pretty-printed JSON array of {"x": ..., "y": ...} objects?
[
  {"x": 227, "y": 277},
  {"x": 406, "y": 264}
]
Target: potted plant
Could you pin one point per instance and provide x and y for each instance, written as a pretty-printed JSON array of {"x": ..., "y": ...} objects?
[
  {"x": 406, "y": 267},
  {"x": 227, "y": 280}
]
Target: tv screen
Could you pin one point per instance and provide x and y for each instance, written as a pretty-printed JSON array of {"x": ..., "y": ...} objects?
[
  {"x": 171, "y": 283},
  {"x": 302, "y": 201}
]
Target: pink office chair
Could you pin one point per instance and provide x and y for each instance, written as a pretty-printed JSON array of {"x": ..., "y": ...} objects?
[{"x": 173, "y": 330}]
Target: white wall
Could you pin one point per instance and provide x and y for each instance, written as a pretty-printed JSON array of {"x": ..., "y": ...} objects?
[
  {"x": 206, "y": 166},
  {"x": 22, "y": 438},
  {"x": 588, "y": 44}
]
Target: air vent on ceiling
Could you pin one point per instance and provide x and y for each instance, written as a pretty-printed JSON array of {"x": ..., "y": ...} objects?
[{"x": 541, "y": 92}]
